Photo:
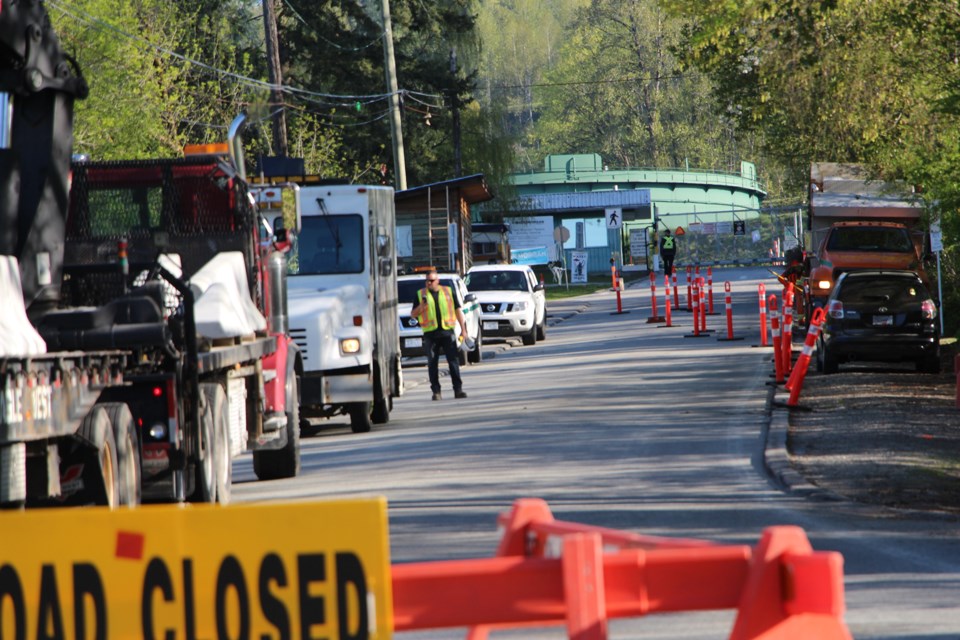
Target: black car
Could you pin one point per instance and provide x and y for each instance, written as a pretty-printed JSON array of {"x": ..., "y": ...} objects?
[{"x": 880, "y": 316}]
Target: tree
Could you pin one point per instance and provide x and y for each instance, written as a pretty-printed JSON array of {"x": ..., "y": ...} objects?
[
  {"x": 133, "y": 110},
  {"x": 616, "y": 90}
]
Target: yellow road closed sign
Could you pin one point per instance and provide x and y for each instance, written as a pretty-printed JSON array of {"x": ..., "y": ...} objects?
[{"x": 303, "y": 570}]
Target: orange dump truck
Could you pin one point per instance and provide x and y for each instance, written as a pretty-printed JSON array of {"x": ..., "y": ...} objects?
[{"x": 855, "y": 223}]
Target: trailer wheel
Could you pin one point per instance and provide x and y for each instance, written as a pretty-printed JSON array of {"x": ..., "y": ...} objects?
[
  {"x": 100, "y": 482},
  {"x": 359, "y": 417},
  {"x": 271, "y": 464},
  {"x": 128, "y": 452},
  {"x": 214, "y": 473}
]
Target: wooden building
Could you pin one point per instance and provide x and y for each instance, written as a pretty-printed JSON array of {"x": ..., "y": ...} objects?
[{"x": 434, "y": 223}]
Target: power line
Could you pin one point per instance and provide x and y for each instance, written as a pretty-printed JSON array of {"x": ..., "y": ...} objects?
[{"x": 252, "y": 83}]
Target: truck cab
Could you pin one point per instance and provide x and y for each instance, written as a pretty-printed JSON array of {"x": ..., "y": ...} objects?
[{"x": 855, "y": 246}]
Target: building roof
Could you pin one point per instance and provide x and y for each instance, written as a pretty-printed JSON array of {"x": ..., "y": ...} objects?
[{"x": 473, "y": 189}]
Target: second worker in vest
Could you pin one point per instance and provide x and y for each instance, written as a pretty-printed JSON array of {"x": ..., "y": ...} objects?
[
  {"x": 438, "y": 311},
  {"x": 668, "y": 251}
]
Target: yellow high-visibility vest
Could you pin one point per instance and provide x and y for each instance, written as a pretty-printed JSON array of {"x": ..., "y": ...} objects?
[{"x": 447, "y": 316}]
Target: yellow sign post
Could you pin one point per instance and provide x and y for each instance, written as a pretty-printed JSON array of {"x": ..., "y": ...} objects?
[{"x": 303, "y": 570}]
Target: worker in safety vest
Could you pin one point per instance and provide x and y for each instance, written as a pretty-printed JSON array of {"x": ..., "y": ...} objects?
[
  {"x": 438, "y": 312},
  {"x": 668, "y": 251}
]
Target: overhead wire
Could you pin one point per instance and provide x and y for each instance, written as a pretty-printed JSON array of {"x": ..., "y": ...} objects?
[{"x": 253, "y": 83}]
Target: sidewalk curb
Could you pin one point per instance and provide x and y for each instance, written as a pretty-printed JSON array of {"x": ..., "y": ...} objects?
[{"x": 776, "y": 456}]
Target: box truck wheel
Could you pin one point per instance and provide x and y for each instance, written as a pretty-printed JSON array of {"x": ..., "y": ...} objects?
[
  {"x": 360, "y": 417},
  {"x": 101, "y": 485},
  {"x": 380, "y": 413},
  {"x": 128, "y": 452},
  {"x": 270, "y": 464}
]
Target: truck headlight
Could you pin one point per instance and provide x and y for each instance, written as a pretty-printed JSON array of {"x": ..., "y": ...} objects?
[
  {"x": 349, "y": 346},
  {"x": 520, "y": 306},
  {"x": 823, "y": 284}
]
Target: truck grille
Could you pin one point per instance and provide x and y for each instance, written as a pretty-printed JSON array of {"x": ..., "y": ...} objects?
[{"x": 300, "y": 337}]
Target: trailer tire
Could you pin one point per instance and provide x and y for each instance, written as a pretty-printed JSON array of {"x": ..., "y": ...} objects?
[
  {"x": 272, "y": 464},
  {"x": 214, "y": 473},
  {"x": 360, "y": 417},
  {"x": 128, "y": 452},
  {"x": 101, "y": 485}
]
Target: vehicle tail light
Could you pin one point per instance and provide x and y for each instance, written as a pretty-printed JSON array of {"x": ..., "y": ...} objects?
[
  {"x": 928, "y": 309},
  {"x": 835, "y": 310},
  {"x": 824, "y": 284}
]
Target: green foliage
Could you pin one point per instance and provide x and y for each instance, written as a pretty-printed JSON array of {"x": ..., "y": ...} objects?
[
  {"x": 876, "y": 83},
  {"x": 128, "y": 113},
  {"x": 617, "y": 90}
]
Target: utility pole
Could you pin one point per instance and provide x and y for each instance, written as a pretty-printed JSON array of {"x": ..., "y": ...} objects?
[
  {"x": 399, "y": 163},
  {"x": 455, "y": 108},
  {"x": 276, "y": 79}
]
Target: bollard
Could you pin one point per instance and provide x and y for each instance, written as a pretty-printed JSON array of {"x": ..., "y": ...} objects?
[
  {"x": 689, "y": 303},
  {"x": 695, "y": 298},
  {"x": 775, "y": 329},
  {"x": 703, "y": 306},
  {"x": 676, "y": 293},
  {"x": 666, "y": 297},
  {"x": 653, "y": 300},
  {"x": 613, "y": 273},
  {"x": 763, "y": 315},
  {"x": 710, "y": 288},
  {"x": 728, "y": 299},
  {"x": 787, "y": 329},
  {"x": 795, "y": 382}
]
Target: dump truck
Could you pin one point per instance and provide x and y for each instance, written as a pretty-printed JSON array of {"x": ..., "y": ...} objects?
[{"x": 856, "y": 223}]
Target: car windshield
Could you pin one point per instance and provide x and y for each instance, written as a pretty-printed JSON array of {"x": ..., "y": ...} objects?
[
  {"x": 870, "y": 239},
  {"x": 879, "y": 290},
  {"x": 497, "y": 281},
  {"x": 407, "y": 289}
]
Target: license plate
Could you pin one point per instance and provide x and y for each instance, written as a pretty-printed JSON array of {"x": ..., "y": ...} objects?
[
  {"x": 413, "y": 343},
  {"x": 490, "y": 326},
  {"x": 883, "y": 321}
]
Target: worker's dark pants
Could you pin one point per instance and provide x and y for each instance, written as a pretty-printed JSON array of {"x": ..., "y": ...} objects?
[
  {"x": 435, "y": 342},
  {"x": 667, "y": 262}
]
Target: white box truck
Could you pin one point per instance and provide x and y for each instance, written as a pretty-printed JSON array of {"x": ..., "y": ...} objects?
[{"x": 342, "y": 302}]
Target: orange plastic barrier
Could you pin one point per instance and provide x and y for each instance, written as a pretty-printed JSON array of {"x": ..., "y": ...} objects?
[{"x": 782, "y": 589}]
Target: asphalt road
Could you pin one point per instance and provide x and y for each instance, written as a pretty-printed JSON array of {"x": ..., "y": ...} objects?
[{"x": 621, "y": 423}]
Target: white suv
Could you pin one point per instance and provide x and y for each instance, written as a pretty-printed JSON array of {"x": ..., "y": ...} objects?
[
  {"x": 411, "y": 335},
  {"x": 512, "y": 302}
]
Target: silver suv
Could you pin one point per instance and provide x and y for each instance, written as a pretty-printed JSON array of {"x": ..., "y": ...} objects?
[
  {"x": 512, "y": 301},
  {"x": 411, "y": 335}
]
